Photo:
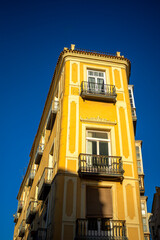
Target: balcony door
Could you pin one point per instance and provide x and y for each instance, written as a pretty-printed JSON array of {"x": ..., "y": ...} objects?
[
  {"x": 99, "y": 210},
  {"x": 98, "y": 145},
  {"x": 96, "y": 81}
]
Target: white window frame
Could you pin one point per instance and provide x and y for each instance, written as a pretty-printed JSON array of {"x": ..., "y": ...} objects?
[
  {"x": 99, "y": 140},
  {"x": 139, "y": 159},
  {"x": 130, "y": 87},
  {"x": 144, "y": 215},
  {"x": 96, "y": 77}
]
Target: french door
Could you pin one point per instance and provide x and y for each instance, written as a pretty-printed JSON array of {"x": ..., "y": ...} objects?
[{"x": 98, "y": 144}]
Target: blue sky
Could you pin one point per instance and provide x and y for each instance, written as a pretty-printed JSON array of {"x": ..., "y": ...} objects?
[{"x": 33, "y": 33}]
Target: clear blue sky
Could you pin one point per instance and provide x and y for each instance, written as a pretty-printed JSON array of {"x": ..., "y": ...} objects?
[{"x": 32, "y": 35}]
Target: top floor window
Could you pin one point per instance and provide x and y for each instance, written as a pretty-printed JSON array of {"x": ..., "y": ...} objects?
[
  {"x": 95, "y": 88},
  {"x": 96, "y": 80},
  {"x": 131, "y": 98}
]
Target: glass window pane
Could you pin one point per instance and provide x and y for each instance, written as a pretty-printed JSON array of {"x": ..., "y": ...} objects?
[
  {"x": 102, "y": 135},
  {"x": 145, "y": 228},
  {"x": 139, "y": 170},
  {"x": 142, "y": 206},
  {"x": 90, "y": 73},
  {"x": 100, "y": 85},
  {"x": 103, "y": 148},
  {"x": 137, "y": 149},
  {"x": 138, "y": 155},
  {"x": 92, "y": 147},
  {"x": 138, "y": 163},
  {"x": 143, "y": 213},
  {"x": 91, "y": 84},
  {"x": 95, "y": 73},
  {"x": 101, "y": 74},
  {"x": 144, "y": 221},
  {"x": 91, "y": 79}
]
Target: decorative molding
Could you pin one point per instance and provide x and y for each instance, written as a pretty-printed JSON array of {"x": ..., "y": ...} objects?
[{"x": 98, "y": 120}]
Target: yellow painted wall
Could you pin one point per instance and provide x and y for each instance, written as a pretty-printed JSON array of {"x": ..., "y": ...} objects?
[{"x": 86, "y": 114}]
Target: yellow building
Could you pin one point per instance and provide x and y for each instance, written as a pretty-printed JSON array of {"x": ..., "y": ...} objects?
[{"x": 82, "y": 181}]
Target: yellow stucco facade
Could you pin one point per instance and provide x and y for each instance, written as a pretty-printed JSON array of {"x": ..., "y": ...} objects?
[{"x": 85, "y": 144}]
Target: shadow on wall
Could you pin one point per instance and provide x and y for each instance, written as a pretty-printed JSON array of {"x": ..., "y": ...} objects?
[{"x": 97, "y": 201}]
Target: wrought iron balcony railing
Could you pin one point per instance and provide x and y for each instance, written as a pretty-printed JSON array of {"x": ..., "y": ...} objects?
[
  {"x": 20, "y": 206},
  {"x": 45, "y": 183},
  {"x": 38, "y": 234},
  {"x": 100, "y": 229},
  {"x": 134, "y": 116},
  {"x": 16, "y": 215},
  {"x": 31, "y": 211},
  {"x": 52, "y": 114},
  {"x": 31, "y": 176},
  {"x": 39, "y": 153},
  {"x": 22, "y": 228},
  {"x": 141, "y": 183},
  {"x": 100, "y": 165},
  {"x": 98, "y": 91}
]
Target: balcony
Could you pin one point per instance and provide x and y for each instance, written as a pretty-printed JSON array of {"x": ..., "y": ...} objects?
[
  {"x": 52, "y": 114},
  {"x": 20, "y": 206},
  {"x": 134, "y": 118},
  {"x": 16, "y": 215},
  {"x": 100, "y": 229},
  {"x": 31, "y": 177},
  {"x": 22, "y": 228},
  {"x": 39, "y": 234},
  {"x": 98, "y": 92},
  {"x": 45, "y": 183},
  {"x": 100, "y": 166},
  {"x": 31, "y": 211},
  {"x": 141, "y": 183},
  {"x": 39, "y": 153}
]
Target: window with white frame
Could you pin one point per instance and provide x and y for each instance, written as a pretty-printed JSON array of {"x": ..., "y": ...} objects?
[
  {"x": 131, "y": 98},
  {"x": 139, "y": 160},
  {"x": 98, "y": 143},
  {"x": 96, "y": 80},
  {"x": 144, "y": 216}
]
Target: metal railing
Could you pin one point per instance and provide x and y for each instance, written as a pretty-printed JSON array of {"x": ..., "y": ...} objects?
[
  {"x": 100, "y": 228},
  {"x": 51, "y": 114},
  {"x": 40, "y": 148},
  {"x": 98, "y": 88},
  {"x": 39, "y": 153},
  {"x": 22, "y": 228},
  {"x": 32, "y": 208},
  {"x": 20, "y": 206},
  {"x": 54, "y": 106},
  {"x": 41, "y": 233},
  {"x": 134, "y": 112},
  {"x": 108, "y": 165},
  {"x": 16, "y": 215},
  {"x": 46, "y": 178},
  {"x": 141, "y": 182},
  {"x": 31, "y": 176}
]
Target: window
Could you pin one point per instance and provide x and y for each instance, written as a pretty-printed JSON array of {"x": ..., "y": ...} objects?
[
  {"x": 144, "y": 216},
  {"x": 96, "y": 81},
  {"x": 139, "y": 159},
  {"x": 98, "y": 143},
  {"x": 131, "y": 98},
  {"x": 99, "y": 202},
  {"x": 97, "y": 146}
]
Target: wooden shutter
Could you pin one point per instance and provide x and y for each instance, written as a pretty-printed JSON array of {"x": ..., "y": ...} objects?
[{"x": 99, "y": 202}]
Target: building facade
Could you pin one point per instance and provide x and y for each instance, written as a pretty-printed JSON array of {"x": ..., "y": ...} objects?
[
  {"x": 85, "y": 176},
  {"x": 154, "y": 220}
]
